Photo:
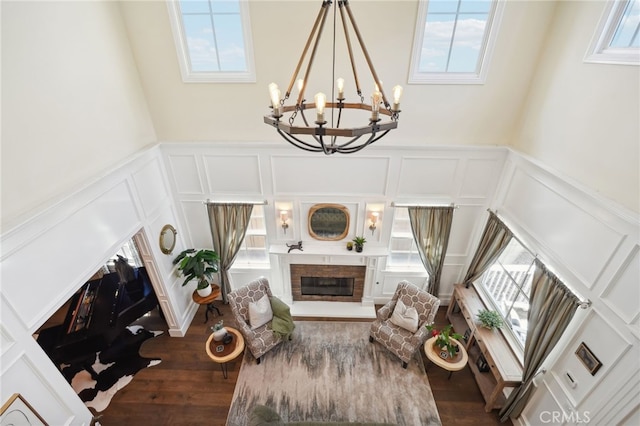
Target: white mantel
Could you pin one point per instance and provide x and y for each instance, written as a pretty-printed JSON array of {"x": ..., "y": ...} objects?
[{"x": 320, "y": 254}]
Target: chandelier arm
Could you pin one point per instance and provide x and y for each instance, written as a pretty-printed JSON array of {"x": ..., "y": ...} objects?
[
  {"x": 299, "y": 143},
  {"x": 365, "y": 52},
  {"x": 370, "y": 141},
  {"x": 342, "y": 3},
  {"x": 321, "y": 13},
  {"x": 306, "y": 123},
  {"x": 325, "y": 6}
]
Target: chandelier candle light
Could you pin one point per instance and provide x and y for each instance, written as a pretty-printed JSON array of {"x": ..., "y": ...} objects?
[{"x": 320, "y": 137}]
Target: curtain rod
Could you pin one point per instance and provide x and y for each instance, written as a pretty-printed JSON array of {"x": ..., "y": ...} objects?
[
  {"x": 257, "y": 203},
  {"x": 584, "y": 304},
  {"x": 394, "y": 204}
]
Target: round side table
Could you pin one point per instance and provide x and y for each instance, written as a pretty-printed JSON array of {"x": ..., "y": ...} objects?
[
  {"x": 221, "y": 353},
  {"x": 434, "y": 356},
  {"x": 208, "y": 300}
]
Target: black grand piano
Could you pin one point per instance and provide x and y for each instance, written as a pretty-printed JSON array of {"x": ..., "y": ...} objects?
[{"x": 99, "y": 311}]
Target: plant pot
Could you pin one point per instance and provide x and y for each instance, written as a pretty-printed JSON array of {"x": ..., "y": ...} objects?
[
  {"x": 204, "y": 292},
  {"x": 359, "y": 248},
  {"x": 218, "y": 335}
]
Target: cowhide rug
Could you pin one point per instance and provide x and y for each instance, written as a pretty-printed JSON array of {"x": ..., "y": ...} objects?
[
  {"x": 115, "y": 367},
  {"x": 330, "y": 372}
]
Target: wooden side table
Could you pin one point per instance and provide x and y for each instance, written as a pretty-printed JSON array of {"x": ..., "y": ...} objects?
[
  {"x": 221, "y": 353},
  {"x": 208, "y": 300},
  {"x": 434, "y": 356}
]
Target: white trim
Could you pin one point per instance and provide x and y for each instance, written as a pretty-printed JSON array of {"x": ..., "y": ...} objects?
[
  {"x": 484, "y": 59},
  {"x": 599, "y": 51},
  {"x": 188, "y": 76}
]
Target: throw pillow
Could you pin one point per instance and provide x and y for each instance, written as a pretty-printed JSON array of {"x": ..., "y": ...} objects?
[
  {"x": 260, "y": 312},
  {"x": 405, "y": 317}
]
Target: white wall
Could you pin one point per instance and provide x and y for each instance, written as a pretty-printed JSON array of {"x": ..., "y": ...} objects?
[
  {"x": 72, "y": 104},
  {"x": 432, "y": 114},
  {"x": 593, "y": 245},
  {"x": 47, "y": 258},
  {"x": 279, "y": 174},
  {"x": 582, "y": 118}
]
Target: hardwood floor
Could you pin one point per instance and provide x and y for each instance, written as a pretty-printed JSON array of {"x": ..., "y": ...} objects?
[{"x": 187, "y": 388}]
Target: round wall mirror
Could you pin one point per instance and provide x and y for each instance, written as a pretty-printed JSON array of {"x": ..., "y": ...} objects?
[
  {"x": 328, "y": 222},
  {"x": 168, "y": 239}
]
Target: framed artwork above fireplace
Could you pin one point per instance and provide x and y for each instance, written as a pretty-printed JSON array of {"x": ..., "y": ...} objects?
[{"x": 328, "y": 222}]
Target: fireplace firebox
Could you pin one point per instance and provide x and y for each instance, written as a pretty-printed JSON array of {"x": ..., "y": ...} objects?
[
  {"x": 336, "y": 283},
  {"x": 326, "y": 286}
]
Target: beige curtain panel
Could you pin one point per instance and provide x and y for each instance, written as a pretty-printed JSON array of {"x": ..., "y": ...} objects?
[
  {"x": 495, "y": 238},
  {"x": 228, "y": 224},
  {"x": 431, "y": 227},
  {"x": 552, "y": 306}
]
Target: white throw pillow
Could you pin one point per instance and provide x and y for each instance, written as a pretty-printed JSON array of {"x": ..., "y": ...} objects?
[
  {"x": 405, "y": 317},
  {"x": 260, "y": 312}
]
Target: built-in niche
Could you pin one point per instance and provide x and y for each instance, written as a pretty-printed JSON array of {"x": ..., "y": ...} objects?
[{"x": 328, "y": 222}]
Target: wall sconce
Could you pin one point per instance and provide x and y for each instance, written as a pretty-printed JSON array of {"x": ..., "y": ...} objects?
[
  {"x": 284, "y": 216},
  {"x": 374, "y": 220}
]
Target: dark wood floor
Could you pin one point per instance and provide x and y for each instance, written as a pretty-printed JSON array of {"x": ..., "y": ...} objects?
[{"x": 186, "y": 388}]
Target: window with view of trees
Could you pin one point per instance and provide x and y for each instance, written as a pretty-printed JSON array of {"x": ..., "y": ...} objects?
[{"x": 508, "y": 284}]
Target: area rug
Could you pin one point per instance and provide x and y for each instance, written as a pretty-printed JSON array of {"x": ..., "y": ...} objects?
[
  {"x": 330, "y": 372},
  {"x": 115, "y": 366}
]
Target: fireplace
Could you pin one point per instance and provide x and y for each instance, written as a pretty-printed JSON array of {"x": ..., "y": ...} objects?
[
  {"x": 337, "y": 283},
  {"x": 326, "y": 286}
]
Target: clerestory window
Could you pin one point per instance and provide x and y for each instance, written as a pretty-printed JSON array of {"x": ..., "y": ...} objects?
[
  {"x": 617, "y": 39},
  {"x": 454, "y": 40},
  {"x": 213, "y": 40}
]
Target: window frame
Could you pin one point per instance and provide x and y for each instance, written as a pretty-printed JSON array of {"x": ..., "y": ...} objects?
[
  {"x": 599, "y": 51},
  {"x": 413, "y": 250},
  {"x": 184, "y": 60},
  {"x": 245, "y": 248},
  {"x": 480, "y": 75}
]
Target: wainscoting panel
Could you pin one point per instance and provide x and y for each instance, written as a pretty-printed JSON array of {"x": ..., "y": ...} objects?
[
  {"x": 233, "y": 174},
  {"x": 623, "y": 291},
  {"x": 579, "y": 240},
  {"x": 427, "y": 177},
  {"x": 92, "y": 229},
  {"x": 198, "y": 232},
  {"x": 464, "y": 221},
  {"x": 6, "y": 339},
  {"x": 186, "y": 175},
  {"x": 151, "y": 190},
  {"x": 480, "y": 177},
  {"x": 321, "y": 175}
]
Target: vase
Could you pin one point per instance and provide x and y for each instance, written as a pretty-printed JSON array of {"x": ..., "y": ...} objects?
[
  {"x": 218, "y": 335},
  {"x": 204, "y": 292},
  {"x": 359, "y": 248}
]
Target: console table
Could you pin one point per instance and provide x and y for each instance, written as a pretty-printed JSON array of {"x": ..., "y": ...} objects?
[{"x": 494, "y": 365}]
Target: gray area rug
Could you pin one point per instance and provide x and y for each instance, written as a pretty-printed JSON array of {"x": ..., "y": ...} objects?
[{"x": 330, "y": 372}]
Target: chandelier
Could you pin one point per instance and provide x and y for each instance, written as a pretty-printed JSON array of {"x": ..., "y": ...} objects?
[{"x": 290, "y": 120}]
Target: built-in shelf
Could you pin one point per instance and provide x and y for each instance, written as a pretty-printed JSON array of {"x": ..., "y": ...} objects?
[{"x": 328, "y": 250}]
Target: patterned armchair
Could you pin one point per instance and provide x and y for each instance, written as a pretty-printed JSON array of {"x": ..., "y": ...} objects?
[
  {"x": 262, "y": 339},
  {"x": 399, "y": 341}
]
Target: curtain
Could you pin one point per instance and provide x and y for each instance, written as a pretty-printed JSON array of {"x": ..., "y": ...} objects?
[
  {"x": 228, "y": 224},
  {"x": 551, "y": 309},
  {"x": 495, "y": 238},
  {"x": 431, "y": 227}
]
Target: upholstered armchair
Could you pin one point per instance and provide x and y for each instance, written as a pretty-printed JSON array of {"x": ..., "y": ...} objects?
[
  {"x": 259, "y": 340},
  {"x": 399, "y": 340}
]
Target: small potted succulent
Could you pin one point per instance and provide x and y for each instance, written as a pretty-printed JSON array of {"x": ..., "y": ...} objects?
[
  {"x": 218, "y": 331},
  {"x": 359, "y": 242},
  {"x": 198, "y": 265},
  {"x": 489, "y": 319}
]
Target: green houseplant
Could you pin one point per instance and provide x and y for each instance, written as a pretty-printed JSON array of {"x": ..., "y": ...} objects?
[
  {"x": 199, "y": 265},
  {"x": 489, "y": 319},
  {"x": 443, "y": 339},
  {"x": 359, "y": 242}
]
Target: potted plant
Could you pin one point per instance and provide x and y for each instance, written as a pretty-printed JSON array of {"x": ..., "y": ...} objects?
[
  {"x": 448, "y": 348},
  {"x": 359, "y": 242},
  {"x": 200, "y": 265},
  {"x": 219, "y": 331},
  {"x": 489, "y": 319}
]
